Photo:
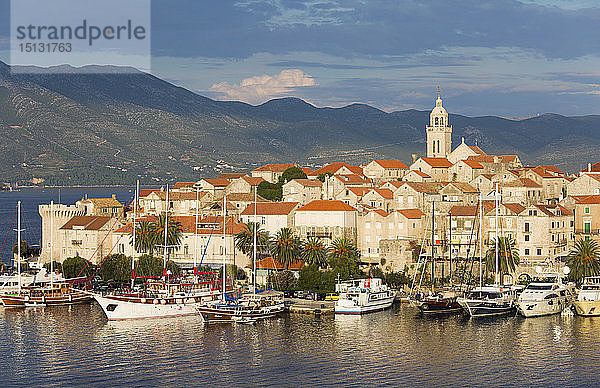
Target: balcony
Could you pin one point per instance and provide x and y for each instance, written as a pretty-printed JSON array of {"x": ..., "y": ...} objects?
[
  {"x": 587, "y": 231},
  {"x": 76, "y": 242},
  {"x": 319, "y": 234}
]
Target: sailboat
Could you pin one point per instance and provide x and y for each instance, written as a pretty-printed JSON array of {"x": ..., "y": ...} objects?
[
  {"x": 54, "y": 294},
  {"x": 250, "y": 306},
  {"x": 160, "y": 299},
  {"x": 494, "y": 299}
]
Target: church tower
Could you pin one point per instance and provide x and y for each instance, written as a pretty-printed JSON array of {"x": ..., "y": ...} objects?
[{"x": 439, "y": 133}]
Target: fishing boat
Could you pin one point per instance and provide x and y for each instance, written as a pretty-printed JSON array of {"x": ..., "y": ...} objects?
[
  {"x": 259, "y": 305},
  {"x": 52, "y": 294},
  {"x": 588, "y": 299},
  {"x": 548, "y": 293},
  {"x": 363, "y": 296}
]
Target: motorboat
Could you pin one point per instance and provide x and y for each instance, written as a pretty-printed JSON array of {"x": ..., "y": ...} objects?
[
  {"x": 444, "y": 302},
  {"x": 489, "y": 300},
  {"x": 548, "y": 293},
  {"x": 588, "y": 299},
  {"x": 363, "y": 296},
  {"x": 250, "y": 306}
]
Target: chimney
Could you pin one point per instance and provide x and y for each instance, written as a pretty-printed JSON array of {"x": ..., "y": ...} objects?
[
  {"x": 589, "y": 167},
  {"x": 415, "y": 157}
]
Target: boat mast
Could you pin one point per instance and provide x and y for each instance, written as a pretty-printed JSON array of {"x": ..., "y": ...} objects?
[
  {"x": 480, "y": 239},
  {"x": 450, "y": 253},
  {"x": 224, "y": 219},
  {"x": 166, "y": 231},
  {"x": 432, "y": 245},
  {"x": 196, "y": 234},
  {"x": 254, "y": 248},
  {"x": 496, "y": 222},
  {"x": 51, "y": 245},
  {"x": 135, "y": 205},
  {"x": 19, "y": 244}
]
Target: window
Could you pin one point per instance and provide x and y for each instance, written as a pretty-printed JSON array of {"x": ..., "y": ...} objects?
[
  {"x": 587, "y": 210},
  {"x": 468, "y": 223},
  {"x": 454, "y": 224},
  {"x": 587, "y": 227},
  {"x": 539, "y": 252},
  {"x": 401, "y": 225},
  {"x": 367, "y": 238},
  {"x": 526, "y": 237},
  {"x": 391, "y": 225},
  {"x": 509, "y": 222},
  {"x": 186, "y": 249},
  {"x": 526, "y": 251},
  {"x": 527, "y": 227}
]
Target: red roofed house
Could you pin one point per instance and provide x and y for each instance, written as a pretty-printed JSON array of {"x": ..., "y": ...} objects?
[
  {"x": 521, "y": 190},
  {"x": 352, "y": 195},
  {"x": 384, "y": 170},
  {"x": 180, "y": 203},
  {"x": 302, "y": 190},
  {"x": 84, "y": 236},
  {"x": 437, "y": 168},
  {"x": 335, "y": 184},
  {"x": 184, "y": 186},
  {"x": 379, "y": 199},
  {"x": 587, "y": 218},
  {"x": 327, "y": 220},
  {"x": 463, "y": 151},
  {"x": 551, "y": 179},
  {"x": 272, "y": 216},
  {"x": 267, "y": 265},
  {"x": 245, "y": 184},
  {"x": 216, "y": 187},
  {"x": 232, "y": 175},
  {"x": 271, "y": 172},
  {"x": 585, "y": 184},
  {"x": 465, "y": 171},
  {"x": 417, "y": 176},
  {"x": 337, "y": 168}
]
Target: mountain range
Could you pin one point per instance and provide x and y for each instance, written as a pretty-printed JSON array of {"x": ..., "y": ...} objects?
[{"x": 99, "y": 128}]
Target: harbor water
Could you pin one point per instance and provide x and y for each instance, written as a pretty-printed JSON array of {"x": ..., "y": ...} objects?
[{"x": 67, "y": 346}]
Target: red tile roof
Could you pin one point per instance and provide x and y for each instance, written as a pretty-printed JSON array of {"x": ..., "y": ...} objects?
[
  {"x": 473, "y": 163},
  {"x": 146, "y": 192},
  {"x": 464, "y": 187},
  {"x": 516, "y": 208},
  {"x": 217, "y": 182},
  {"x": 231, "y": 175},
  {"x": 425, "y": 187},
  {"x": 333, "y": 168},
  {"x": 352, "y": 179},
  {"x": 86, "y": 222},
  {"x": 590, "y": 200},
  {"x": 272, "y": 264},
  {"x": 477, "y": 150},
  {"x": 253, "y": 181},
  {"x": 307, "y": 170},
  {"x": 360, "y": 191},
  {"x": 180, "y": 185},
  {"x": 391, "y": 164},
  {"x": 420, "y": 173},
  {"x": 385, "y": 193},
  {"x": 327, "y": 206},
  {"x": 396, "y": 184},
  {"x": 309, "y": 182},
  {"x": 411, "y": 213},
  {"x": 275, "y": 167},
  {"x": 463, "y": 211},
  {"x": 437, "y": 162},
  {"x": 270, "y": 208}
]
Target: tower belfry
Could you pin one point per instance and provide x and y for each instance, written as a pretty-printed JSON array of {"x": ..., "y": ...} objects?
[{"x": 439, "y": 132}]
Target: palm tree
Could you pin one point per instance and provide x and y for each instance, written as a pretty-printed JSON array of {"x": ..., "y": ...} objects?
[
  {"x": 244, "y": 241},
  {"x": 174, "y": 233},
  {"x": 508, "y": 256},
  {"x": 583, "y": 260},
  {"x": 144, "y": 238},
  {"x": 314, "y": 252},
  {"x": 342, "y": 248},
  {"x": 285, "y": 247}
]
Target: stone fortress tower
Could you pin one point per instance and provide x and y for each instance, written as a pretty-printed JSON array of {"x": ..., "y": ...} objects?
[{"x": 439, "y": 133}]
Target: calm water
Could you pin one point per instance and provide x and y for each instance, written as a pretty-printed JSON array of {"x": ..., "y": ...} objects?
[
  {"x": 65, "y": 346},
  {"x": 30, "y": 218}
]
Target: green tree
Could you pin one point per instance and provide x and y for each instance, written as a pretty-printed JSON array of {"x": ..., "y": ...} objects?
[
  {"x": 583, "y": 260},
  {"x": 270, "y": 191},
  {"x": 244, "y": 241},
  {"x": 174, "y": 233},
  {"x": 291, "y": 173},
  {"x": 282, "y": 280},
  {"x": 116, "y": 267},
  {"x": 285, "y": 247},
  {"x": 314, "y": 252},
  {"x": 322, "y": 176},
  {"x": 508, "y": 256},
  {"x": 25, "y": 251},
  {"x": 55, "y": 264},
  {"x": 344, "y": 259},
  {"x": 151, "y": 266},
  {"x": 72, "y": 267},
  {"x": 145, "y": 240}
]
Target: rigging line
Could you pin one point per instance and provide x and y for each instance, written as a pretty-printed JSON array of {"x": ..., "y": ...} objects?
[
  {"x": 104, "y": 239},
  {"x": 419, "y": 259},
  {"x": 475, "y": 222},
  {"x": 209, "y": 237},
  {"x": 9, "y": 227},
  {"x": 106, "y": 257}
]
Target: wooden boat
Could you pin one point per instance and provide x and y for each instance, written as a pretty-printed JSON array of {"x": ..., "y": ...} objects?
[
  {"x": 57, "y": 294},
  {"x": 266, "y": 304},
  {"x": 441, "y": 303}
]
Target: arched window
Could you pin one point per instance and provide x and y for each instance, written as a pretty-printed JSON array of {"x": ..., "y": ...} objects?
[{"x": 436, "y": 121}]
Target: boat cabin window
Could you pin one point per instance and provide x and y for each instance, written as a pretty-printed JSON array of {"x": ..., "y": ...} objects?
[
  {"x": 539, "y": 287},
  {"x": 484, "y": 295},
  {"x": 551, "y": 296}
]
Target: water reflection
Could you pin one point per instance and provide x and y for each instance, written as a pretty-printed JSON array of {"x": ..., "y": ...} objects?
[{"x": 76, "y": 345}]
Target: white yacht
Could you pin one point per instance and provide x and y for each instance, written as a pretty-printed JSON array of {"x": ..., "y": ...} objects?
[
  {"x": 489, "y": 300},
  {"x": 548, "y": 293},
  {"x": 588, "y": 299},
  {"x": 363, "y": 296}
]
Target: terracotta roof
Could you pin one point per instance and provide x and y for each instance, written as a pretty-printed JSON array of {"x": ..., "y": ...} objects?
[
  {"x": 391, "y": 164},
  {"x": 473, "y": 163},
  {"x": 270, "y": 208},
  {"x": 385, "y": 193},
  {"x": 231, "y": 175},
  {"x": 146, "y": 192},
  {"x": 522, "y": 182},
  {"x": 396, "y": 184},
  {"x": 507, "y": 158},
  {"x": 464, "y": 187},
  {"x": 420, "y": 173},
  {"x": 86, "y": 222},
  {"x": 180, "y": 185},
  {"x": 103, "y": 202},
  {"x": 477, "y": 150},
  {"x": 590, "y": 200},
  {"x": 272, "y": 264},
  {"x": 516, "y": 208},
  {"x": 332, "y": 168},
  {"x": 275, "y": 167},
  {"x": 352, "y": 179},
  {"x": 425, "y": 187},
  {"x": 594, "y": 168},
  {"x": 253, "y": 181},
  {"x": 466, "y": 211},
  {"x": 309, "y": 182},
  {"x": 217, "y": 182},
  {"x": 594, "y": 176},
  {"x": 177, "y": 196},
  {"x": 307, "y": 170},
  {"x": 327, "y": 206},
  {"x": 437, "y": 162},
  {"x": 360, "y": 191},
  {"x": 488, "y": 176},
  {"x": 482, "y": 158},
  {"x": 552, "y": 168},
  {"x": 411, "y": 213},
  {"x": 244, "y": 197}
]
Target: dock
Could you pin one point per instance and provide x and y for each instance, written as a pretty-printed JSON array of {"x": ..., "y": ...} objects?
[{"x": 303, "y": 306}]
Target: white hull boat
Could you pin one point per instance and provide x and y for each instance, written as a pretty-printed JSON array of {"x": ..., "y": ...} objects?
[
  {"x": 547, "y": 294},
  {"x": 588, "y": 299},
  {"x": 363, "y": 296}
]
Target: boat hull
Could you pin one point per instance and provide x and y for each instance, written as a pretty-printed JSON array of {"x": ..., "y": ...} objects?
[
  {"x": 587, "y": 308},
  {"x": 538, "y": 308},
  {"x": 122, "y": 308},
  {"x": 26, "y": 301},
  {"x": 477, "y": 309},
  {"x": 225, "y": 315},
  {"x": 440, "y": 307},
  {"x": 382, "y": 304}
]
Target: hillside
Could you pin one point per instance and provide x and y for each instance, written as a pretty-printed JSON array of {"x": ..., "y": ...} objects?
[{"x": 111, "y": 127}]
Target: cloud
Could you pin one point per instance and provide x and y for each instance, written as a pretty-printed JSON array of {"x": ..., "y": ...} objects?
[{"x": 261, "y": 88}]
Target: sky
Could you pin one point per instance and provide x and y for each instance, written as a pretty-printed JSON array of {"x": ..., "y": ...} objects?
[{"x": 489, "y": 57}]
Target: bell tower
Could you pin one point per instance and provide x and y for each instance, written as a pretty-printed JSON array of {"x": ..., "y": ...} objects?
[{"x": 439, "y": 132}]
